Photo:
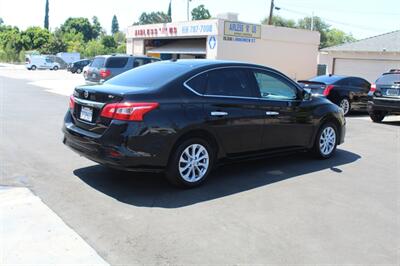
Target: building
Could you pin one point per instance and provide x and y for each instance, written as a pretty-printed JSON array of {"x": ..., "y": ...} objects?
[
  {"x": 367, "y": 58},
  {"x": 291, "y": 51}
]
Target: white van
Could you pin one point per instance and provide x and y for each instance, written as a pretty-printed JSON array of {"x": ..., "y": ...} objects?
[{"x": 40, "y": 62}]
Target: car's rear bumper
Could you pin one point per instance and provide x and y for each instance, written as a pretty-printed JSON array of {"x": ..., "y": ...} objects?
[
  {"x": 390, "y": 105},
  {"x": 115, "y": 154}
]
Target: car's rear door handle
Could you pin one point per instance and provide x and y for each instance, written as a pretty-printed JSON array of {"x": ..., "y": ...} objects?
[
  {"x": 217, "y": 113},
  {"x": 271, "y": 113}
]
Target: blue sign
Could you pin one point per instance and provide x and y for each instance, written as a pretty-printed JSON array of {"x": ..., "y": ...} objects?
[{"x": 212, "y": 42}]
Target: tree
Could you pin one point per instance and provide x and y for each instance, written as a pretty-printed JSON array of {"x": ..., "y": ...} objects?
[
  {"x": 54, "y": 45},
  {"x": 46, "y": 15},
  {"x": 34, "y": 38},
  {"x": 200, "y": 12},
  {"x": 79, "y": 25},
  {"x": 108, "y": 42},
  {"x": 169, "y": 13},
  {"x": 114, "y": 25},
  {"x": 97, "y": 30},
  {"x": 152, "y": 18},
  {"x": 93, "y": 48},
  {"x": 335, "y": 37},
  {"x": 281, "y": 22}
]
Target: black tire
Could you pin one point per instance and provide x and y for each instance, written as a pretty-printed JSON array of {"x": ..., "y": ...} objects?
[
  {"x": 33, "y": 67},
  {"x": 316, "y": 150},
  {"x": 78, "y": 71},
  {"x": 377, "y": 116},
  {"x": 173, "y": 174},
  {"x": 73, "y": 71},
  {"x": 55, "y": 68},
  {"x": 345, "y": 101}
]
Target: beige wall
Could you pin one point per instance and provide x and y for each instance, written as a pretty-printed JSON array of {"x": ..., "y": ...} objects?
[{"x": 291, "y": 51}]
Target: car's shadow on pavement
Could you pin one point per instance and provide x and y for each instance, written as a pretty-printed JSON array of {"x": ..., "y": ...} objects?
[{"x": 152, "y": 190}]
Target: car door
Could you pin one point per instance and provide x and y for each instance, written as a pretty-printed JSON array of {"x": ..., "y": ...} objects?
[
  {"x": 287, "y": 119},
  {"x": 231, "y": 109}
]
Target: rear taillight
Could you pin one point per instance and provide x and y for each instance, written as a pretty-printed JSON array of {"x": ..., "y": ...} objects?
[
  {"x": 71, "y": 103},
  {"x": 327, "y": 90},
  {"x": 104, "y": 73},
  {"x": 127, "y": 111},
  {"x": 373, "y": 88}
]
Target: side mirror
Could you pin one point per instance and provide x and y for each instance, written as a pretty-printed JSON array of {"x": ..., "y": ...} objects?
[{"x": 307, "y": 96}]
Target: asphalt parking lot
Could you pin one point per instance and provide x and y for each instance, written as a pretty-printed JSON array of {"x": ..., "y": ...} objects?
[{"x": 287, "y": 210}]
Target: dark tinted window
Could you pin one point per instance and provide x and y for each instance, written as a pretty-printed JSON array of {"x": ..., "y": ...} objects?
[
  {"x": 116, "y": 62},
  {"x": 357, "y": 82},
  {"x": 343, "y": 82},
  {"x": 198, "y": 83},
  {"x": 140, "y": 62},
  {"x": 229, "y": 82},
  {"x": 389, "y": 79},
  {"x": 150, "y": 75},
  {"x": 98, "y": 62},
  {"x": 273, "y": 88}
]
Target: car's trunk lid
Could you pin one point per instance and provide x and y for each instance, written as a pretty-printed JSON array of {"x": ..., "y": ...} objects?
[{"x": 314, "y": 87}]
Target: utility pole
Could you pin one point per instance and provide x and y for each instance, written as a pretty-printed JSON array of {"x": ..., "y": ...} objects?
[
  {"x": 271, "y": 11},
  {"x": 188, "y": 9},
  {"x": 312, "y": 21}
]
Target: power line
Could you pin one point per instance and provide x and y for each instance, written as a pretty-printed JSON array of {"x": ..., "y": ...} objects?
[{"x": 333, "y": 21}]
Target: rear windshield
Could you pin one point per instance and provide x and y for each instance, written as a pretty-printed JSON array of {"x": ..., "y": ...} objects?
[
  {"x": 326, "y": 79},
  {"x": 389, "y": 79},
  {"x": 98, "y": 62},
  {"x": 116, "y": 62},
  {"x": 150, "y": 75}
]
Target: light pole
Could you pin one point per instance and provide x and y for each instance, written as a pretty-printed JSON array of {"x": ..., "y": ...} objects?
[{"x": 188, "y": 9}]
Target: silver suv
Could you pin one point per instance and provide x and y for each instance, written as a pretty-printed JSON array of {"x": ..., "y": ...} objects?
[{"x": 105, "y": 67}]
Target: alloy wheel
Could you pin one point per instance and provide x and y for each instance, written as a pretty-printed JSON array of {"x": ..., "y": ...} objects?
[
  {"x": 345, "y": 105},
  {"x": 194, "y": 163},
  {"x": 327, "y": 141}
]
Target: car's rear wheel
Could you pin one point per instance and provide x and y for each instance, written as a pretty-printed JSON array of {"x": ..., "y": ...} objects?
[
  {"x": 377, "y": 116},
  {"x": 33, "y": 67},
  {"x": 78, "y": 70},
  {"x": 326, "y": 141},
  {"x": 55, "y": 68},
  {"x": 345, "y": 105},
  {"x": 190, "y": 163}
]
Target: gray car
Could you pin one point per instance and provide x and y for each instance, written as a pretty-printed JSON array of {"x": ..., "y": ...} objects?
[{"x": 105, "y": 67}]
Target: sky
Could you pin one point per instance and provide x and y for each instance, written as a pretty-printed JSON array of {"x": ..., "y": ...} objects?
[{"x": 362, "y": 18}]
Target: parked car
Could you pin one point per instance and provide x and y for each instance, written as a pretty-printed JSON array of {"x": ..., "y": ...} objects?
[
  {"x": 385, "y": 96},
  {"x": 77, "y": 67},
  {"x": 107, "y": 66},
  {"x": 184, "y": 116},
  {"x": 40, "y": 62},
  {"x": 350, "y": 93}
]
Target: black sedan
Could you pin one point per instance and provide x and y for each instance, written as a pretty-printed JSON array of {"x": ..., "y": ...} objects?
[
  {"x": 182, "y": 117},
  {"x": 350, "y": 93},
  {"x": 77, "y": 67}
]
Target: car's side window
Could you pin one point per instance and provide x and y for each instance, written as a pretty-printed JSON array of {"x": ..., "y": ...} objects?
[
  {"x": 198, "y": 83},
  {"x": 140, "y": 62},
  {"x": 273, "y": 88},
  {"x": 229, "y": 82},
  {"x": 344, "y": 82}
]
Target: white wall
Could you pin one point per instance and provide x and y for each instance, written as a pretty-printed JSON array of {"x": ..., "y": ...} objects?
[
  {"x": 368, "y": 65},
  {"x": 291, "y": 51}
]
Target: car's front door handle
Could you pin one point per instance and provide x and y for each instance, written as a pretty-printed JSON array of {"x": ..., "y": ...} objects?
[
  {"x": 217, "y": 113},
  {"x": 271, "y": 113}
]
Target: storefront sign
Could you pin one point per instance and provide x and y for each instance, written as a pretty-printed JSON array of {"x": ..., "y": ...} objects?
[
  {"x": 239, "y": 39},
  {"x": 239, "y": 29},
  {"x": 192, "y": 28}
]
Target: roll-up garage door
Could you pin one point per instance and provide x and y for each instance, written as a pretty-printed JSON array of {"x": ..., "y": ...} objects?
[{"x": 369, "y": 69}]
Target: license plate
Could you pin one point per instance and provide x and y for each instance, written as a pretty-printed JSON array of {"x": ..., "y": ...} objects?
[
  {"x": 86, "y": 114},
  {"x": 392, "y": 92}
]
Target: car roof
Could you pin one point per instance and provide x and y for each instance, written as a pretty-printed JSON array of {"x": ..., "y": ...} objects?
[
  {"x": 330, "y": 79},
  {"x": 126, "y": 55}
]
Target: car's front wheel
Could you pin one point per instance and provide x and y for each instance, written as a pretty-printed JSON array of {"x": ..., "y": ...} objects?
[
  {"x": 55, "y": 68},
  {"x": 377, "y": 116},
  {"x": 326, "y": 141},
  {"x": 33, "y": 67},
  {"x": 191, "y": 163},
  {"x": 78, "y": 70}
]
